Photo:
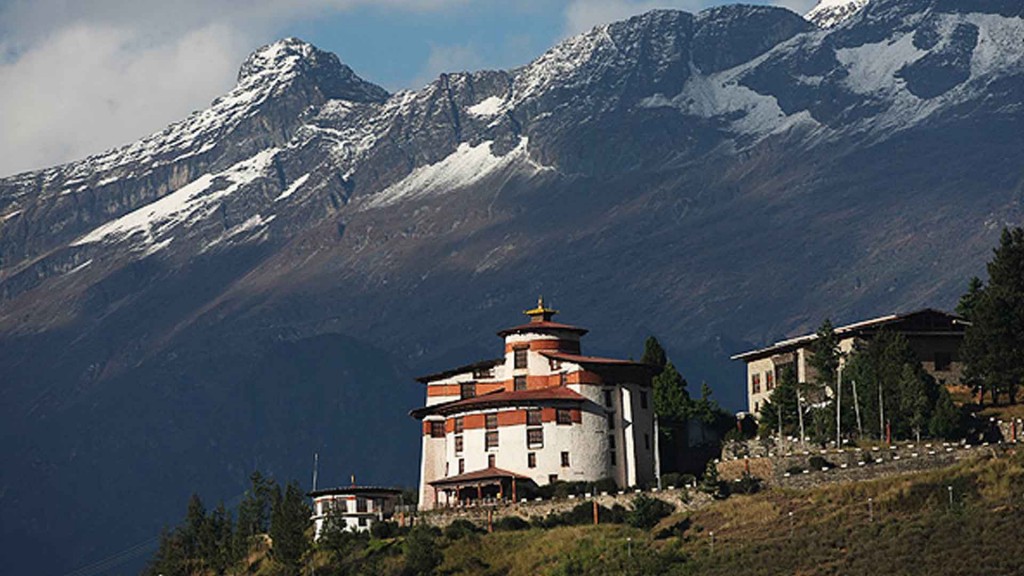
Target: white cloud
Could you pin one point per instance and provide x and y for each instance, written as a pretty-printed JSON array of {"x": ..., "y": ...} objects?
[
  {"x": 81, "y": 76},
  {"x": 88, "y": 88}
]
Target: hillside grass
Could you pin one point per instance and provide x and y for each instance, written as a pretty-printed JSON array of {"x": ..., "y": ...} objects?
[{"x": 914, "y": 530}]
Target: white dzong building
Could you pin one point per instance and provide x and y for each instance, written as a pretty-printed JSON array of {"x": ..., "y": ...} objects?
[{"x": 541, "y": 413}]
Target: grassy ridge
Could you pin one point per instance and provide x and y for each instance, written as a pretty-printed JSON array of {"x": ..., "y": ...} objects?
[{"x": 914, "y": 530}]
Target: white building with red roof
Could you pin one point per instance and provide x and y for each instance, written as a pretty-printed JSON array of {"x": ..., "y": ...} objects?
[{"x": 541, "y": 413}]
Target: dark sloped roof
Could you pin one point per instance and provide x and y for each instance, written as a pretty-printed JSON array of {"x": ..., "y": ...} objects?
[
  {"x": 354, "y": 490},
  {"x": 477, "y": 475},
  {"x": 461, "y": 370},
  {"x": 848, "y": 329},
  {"x": 545, "y": 326},
  {"x": 500, "y": 398}
]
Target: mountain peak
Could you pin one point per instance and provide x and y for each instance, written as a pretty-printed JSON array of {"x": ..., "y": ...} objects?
[
  {"x": 279, "y": 57},
  {"x": 829, "y": 13},
  {"x": 291, "y": 57}
]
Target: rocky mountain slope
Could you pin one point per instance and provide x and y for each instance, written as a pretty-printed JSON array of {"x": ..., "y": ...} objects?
[{"x": 259, "y": 281}]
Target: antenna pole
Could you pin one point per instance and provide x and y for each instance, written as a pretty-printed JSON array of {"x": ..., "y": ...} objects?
[{"x": 316, "y": 464}]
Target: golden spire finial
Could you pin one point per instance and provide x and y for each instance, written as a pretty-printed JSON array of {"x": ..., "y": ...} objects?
[{"x": 541, "y": 313}]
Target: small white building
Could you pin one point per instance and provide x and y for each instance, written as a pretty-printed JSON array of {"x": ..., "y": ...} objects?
[
  {"x": 358, "y": 507},
  {"x": 541, "y": 413}
]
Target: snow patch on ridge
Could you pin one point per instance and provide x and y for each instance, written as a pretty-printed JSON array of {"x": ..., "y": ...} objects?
[
  {"x": 188, "y": 203},
  {"x": 488, "y": 107},
  {"x": 293, "y": 187},
  {"x": 464, "y": 167}
]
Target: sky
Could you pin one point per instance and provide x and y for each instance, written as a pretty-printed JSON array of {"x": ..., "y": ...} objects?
[{"x": 78, "y": 77}]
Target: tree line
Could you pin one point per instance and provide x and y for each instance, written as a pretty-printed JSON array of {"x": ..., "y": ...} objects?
[{"x": 215, "y": 542}]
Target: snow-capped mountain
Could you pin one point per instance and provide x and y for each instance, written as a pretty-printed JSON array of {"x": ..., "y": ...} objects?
[
  {"x": 828, "y": 13},
  {"x": 258, "y": 280}
]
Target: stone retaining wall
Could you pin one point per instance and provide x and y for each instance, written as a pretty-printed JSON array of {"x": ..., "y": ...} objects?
[
  {"x": 810, "y": 468},
  {"x": 535, "y": 509}
]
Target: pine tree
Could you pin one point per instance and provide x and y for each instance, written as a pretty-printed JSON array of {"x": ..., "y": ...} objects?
[
  {"x": 253, "y": 513},
  {"x": 945, "y": 421},
  {"x": 654, "y": 354},
  {"x": 289, "y": 521},
  {"x": 778, "y": 413},
  {"x": 969, "y": 301},
  {"x": 824, "y": 358},
  {"x": 671, "y": 400},
  {"x": 994, "y": 344},
  {"x": 195, "y": 526}
]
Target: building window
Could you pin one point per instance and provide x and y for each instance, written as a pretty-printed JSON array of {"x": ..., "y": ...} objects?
[
  {"x": 611, "y": 420},
  {"x": 755, "y": 384},
  {"x": 437, "y": 429},
  {"x": 611, "y": 458},
  {"x": 555, "y": 364},
  {"x": 483, "y": 373},
  {"x": 462, "y": 465},
  {"x": 643, "y": 400},
  {"x": 563, "y": 378},
  {"x": 535, "y": 437},
  {"x": 459, "y": 424},
  {"x": 608, "y": 398},
  {"x": 490, "y": 460},
  {"x": 491, "y": 440},
  {"x": 362, "y": 522},
  {"x": 531, "y": 460},
  {"x": 491, "y": 421},
  {"x": 360, "y": 504},
  {"x": 769, "y": 380},
  {"x": 565, "y": 459},
  {"x": 611, "y": 441},
  {"x": 447, "y": 469},
  {"x": 519, "y": 357},
  {"x": 519, "y": 383},
  {"x": 467, "y": 389},
  {"x": 552, "y": 478},
  {"x": 533, "y": 417},
  {"x": 647, "y": 441},
  {"x": 563, "y": 416},
  {"x": 458, "y": 444},
  {"x": 942, "y": 361}
]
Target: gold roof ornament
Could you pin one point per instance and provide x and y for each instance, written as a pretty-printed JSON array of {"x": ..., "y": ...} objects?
[{"x": 541, "y": 313}]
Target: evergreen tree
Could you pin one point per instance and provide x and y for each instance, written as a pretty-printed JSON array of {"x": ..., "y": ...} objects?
[
  {"x": 994, "y": 344},
  {"x": 709, "y": 483},
  {"x": 671, "y": 400},
  {"x": 824, "y": 358},
  {"x": 195, "y": 527},
  {"x": 253, "y": 513},
  {"x": 170, "y": 557},
  {"x": 969, "y": 301},
  {"x": 289, "y": 521},
  {"x": 654, "y": 354},
  {"x": 778, "y": 413},
  {"x": 945, "y": 420}
]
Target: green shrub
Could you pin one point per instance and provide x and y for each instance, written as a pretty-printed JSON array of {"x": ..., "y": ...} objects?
[
  {"x": 819, "y": 462},
  {"x": 511, "y": 524},
  {"x": 461, "y": 528},
  {"x": 382, "y": 530},
  {"x": 648, "y": 511},
  {"x": 422, "y": 555},
  {"x": 747, "y": 484}
]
